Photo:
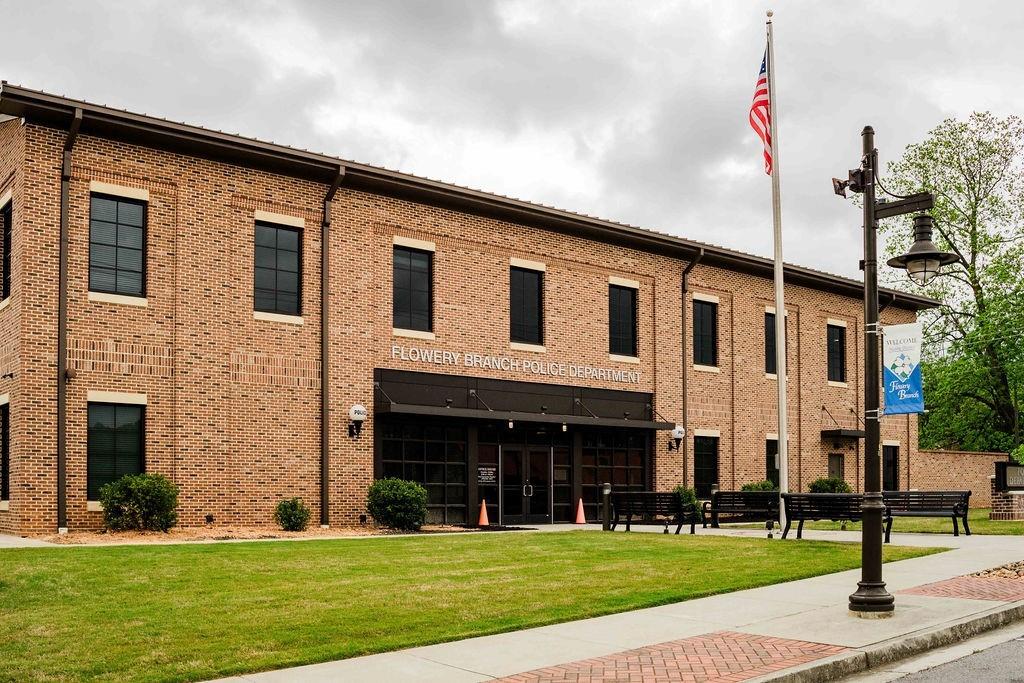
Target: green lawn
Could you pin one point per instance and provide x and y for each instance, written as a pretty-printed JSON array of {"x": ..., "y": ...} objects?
[
  {"x": 188, "y": 612},
  {"x": 976, "y": 517}
]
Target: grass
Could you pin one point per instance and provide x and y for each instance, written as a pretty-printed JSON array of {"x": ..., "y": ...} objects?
[
  {"x": 190, "y": 612},
  {"x": 976, "y": 517}
]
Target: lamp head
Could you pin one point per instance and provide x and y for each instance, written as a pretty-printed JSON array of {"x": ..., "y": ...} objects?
[{"x": 923, "y": 260}]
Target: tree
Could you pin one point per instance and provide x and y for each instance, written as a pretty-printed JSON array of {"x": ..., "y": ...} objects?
[{"x": 973, "y": 364}]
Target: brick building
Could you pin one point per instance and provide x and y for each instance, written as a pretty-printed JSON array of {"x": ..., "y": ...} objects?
[{"x": 505, "y": 350}]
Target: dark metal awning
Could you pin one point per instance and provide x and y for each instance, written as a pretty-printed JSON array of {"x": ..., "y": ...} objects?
[
  {"x": 842, "y": 433},
  {"x": 515, "y": 415}
]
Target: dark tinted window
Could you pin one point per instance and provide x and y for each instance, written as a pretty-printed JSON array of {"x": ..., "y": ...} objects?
[
  {"x": 836, "y": 353},
  {"x": 434, "y": 456},
  {"x": 622, "y": 320},
  {"x": 277, "y": 270},
  {"x": 526, "y": 306},
  {"x": 5, "y": 452},
  {"x": 769, "y": 344},
  {"x": 771, "y": 461},
  {"x": 6, "y": 226},
  {"x": 705, "y": 333},
  {"x": 117, "y": 246},
  {"x": 890, "y": 468},
  {"x": 705, "y": 464},
  {"x": 115, "y": 444},
  {"x": 412, "y": 289}
]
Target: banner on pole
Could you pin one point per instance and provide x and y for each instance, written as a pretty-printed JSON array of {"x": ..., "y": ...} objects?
[{"x": 901, "y": 369}]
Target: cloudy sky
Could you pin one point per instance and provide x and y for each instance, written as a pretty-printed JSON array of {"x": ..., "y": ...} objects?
[{"x": 633, "y": 111}]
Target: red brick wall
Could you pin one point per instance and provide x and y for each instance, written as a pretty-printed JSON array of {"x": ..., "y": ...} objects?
[
  {"x": 232, "y": 402},
  {"x": 956, "y": 470}
]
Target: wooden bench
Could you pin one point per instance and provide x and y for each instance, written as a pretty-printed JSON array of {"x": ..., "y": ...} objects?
[
  {"x": 952, "y": 504},
  {"x": 756, "y": 505},
  {"x": 801, "y": 507},
  {"x": 649, "y": 507}
]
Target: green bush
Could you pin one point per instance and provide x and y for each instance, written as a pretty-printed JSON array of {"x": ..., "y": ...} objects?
[
  {"x": 686, "y": 496},
  {"x": 1017, "y": 454},
  {"x": 829, "y": 485},
  {"x": 143, "y": 502},
  {"x": 397, "y": 504},
  {"x": 763, "y": 485},
  {"x": 292, "y": 514}
]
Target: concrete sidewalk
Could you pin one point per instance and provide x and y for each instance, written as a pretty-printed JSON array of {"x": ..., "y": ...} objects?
[{"x": 759, "y": 634}]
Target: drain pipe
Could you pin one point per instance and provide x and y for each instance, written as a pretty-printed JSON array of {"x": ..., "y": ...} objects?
[
  {"x": 62, "y": 324},
  {"x": 686, "y": 408},
  {"x": 325, "y": 375}
]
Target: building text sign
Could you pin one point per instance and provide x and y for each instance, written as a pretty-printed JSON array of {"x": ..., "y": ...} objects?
[
  {"x": 901, "y": 371},
  {"x": 511, "y": 364}
]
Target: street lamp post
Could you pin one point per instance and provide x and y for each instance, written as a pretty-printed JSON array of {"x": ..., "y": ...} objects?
[{"x": 922, "y": 262}]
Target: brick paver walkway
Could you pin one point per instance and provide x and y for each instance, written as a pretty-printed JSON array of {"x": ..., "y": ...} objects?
[
  {"x": 973, "y": 588},
  {"x": 721, "y": 656}
]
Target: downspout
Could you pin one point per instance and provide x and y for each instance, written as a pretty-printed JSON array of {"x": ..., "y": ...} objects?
[
  {"x": 686, "y": 409},
  {"x": 325, "y": 375},
  {"x": 62, "y": 324}
]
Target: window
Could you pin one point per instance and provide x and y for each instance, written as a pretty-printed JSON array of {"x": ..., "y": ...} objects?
[
  {"x": 614, "y": 457},
  {"x": 115, "y": 444},
  {"x": 705, "y": 465},
  {"x": 5, "y": 452},
  {"x": 769, "y": 344},
  {"x": 705, "y": 333},
  {"x": 771, "y": 461},
  {"x": 277, "y": 270},
  {"x": 836, "y": 353},
  {"x": 432, "y": 455},
  {"x": 890, "y": 468},
  {"x": 7, "y": 226},
  {"x": 413, "y": 289},
  {"x": 526, "y": 306},
  {"x": 117, "y": 246},
  {"x": 836, "y": 466},
  {"x": 621, "y": 320}
]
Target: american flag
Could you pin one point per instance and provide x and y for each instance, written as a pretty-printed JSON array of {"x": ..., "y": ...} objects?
[{"x": 760, "y": 114}]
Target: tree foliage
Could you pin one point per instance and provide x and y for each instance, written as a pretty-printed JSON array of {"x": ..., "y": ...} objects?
[{"x": 974, "y": 342}]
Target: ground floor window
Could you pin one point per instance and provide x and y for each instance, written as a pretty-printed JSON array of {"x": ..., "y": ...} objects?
[
  {"x": 614, "y": 456},
  {"x": 890, "y": 468},
  {"x": 771, "y": 461},
  {"x": 115, "y": 444},
  {"x": 432, "y": 455},
  {"x": 5, "y": 452},
  {"x": 836, "y": 466},
  {"x": 705, "y": 464}
]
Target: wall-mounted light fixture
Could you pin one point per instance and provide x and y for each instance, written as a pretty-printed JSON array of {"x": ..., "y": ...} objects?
[
  {"x": 565, "y": 428},
  {"x": 356, "y": 416},
  {"x": 511, "y": 424},
  {"x": 678, "y": 434}
]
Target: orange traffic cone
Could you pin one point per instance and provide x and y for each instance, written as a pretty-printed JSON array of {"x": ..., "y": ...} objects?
[
  {"x": 580, "y": 517},
  {"x": 483, "y": 521}
]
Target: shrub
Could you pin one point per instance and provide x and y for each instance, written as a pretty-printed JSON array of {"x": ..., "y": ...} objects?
[
  {"x": 829, "y": 485},
  {"x": 1017, "y": 454},
  {"x": 398, "y": 504},
  {"x": 292, "y": 514},
  {"x": 686, "y": 496},
  {"x": 763, "y": 485},
  {"x": 143, "y": 502}
]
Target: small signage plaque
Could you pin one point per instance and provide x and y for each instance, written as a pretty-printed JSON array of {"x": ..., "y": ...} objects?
[
  {"x": 487, "y": 475},
  {"x": 1015, "y": 477}
]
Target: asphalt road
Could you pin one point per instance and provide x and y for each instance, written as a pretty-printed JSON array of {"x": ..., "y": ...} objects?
[{"x": 1002, "y": 663}]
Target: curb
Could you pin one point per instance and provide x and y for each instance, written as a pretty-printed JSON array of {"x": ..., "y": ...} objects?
[{"x": 892, "y": 650}]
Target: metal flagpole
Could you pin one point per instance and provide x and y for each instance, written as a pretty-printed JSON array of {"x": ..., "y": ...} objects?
[{"x": 780, "y": 305}]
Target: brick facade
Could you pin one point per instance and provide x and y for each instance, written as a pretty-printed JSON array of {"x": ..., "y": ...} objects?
[
  {"x": 955, "y": 470},
  {"x": 232, "y": 401}
]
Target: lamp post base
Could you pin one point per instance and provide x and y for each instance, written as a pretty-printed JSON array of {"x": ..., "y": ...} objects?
[{"x": 872, "y": 601}]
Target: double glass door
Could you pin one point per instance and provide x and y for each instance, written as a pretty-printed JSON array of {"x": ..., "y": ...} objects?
[{"x": 526, "y": 473}]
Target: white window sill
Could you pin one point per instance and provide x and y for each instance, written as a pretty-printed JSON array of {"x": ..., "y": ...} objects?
[
  {"x": 841, "y": 385},
  {"x": 277, "y": 317},
  {"x": 105, "y": 298},
  {"x": 623, "y": 359},
  {"x": 5, "y": 303},
  {"x": 94, "y": 506},
  {"x": 413, "y": 334},
  {"x": 707, "y": 368},
  {"x": 522, "y": 346},
  {"x": 5, "y": 505},
  {"x": 771, "y": 375}
]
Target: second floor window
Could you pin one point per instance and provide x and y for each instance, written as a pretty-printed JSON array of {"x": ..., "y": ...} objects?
[
  {"x": 836, "y": 353},
  {"x": 277, "y": 270},
  {"x": 705, "y": 333},
  {"x": 622, "y": 320},
  {"x": 770, "y": 365},
  {"x": 526, "y": 306},
  {"x": 6, "y": 226},
  {"x": 413, "y": 289},
  {"x": 117, "y": 246}
]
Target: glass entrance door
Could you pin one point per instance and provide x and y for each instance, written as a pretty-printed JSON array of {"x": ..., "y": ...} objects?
[{"x": 525, "y": 484}]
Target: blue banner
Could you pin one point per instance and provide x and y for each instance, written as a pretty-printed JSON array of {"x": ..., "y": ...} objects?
[{"x": 901, "y": 374}]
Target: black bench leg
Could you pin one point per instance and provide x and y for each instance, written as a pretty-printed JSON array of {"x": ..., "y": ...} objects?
[
  {"x": 785, "y": 532},
  {"x": 714, "y": 520},
  {"x": 679, "y": 527},
  {"x": 693, "y": 528},
  {"x": 629, "y": 518},
  {"x": 888, "y": 529},
  {"x": 967, "y": 528},
  {"x": 800, "y": 529},
  {"x": 956, "y": 527}
]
